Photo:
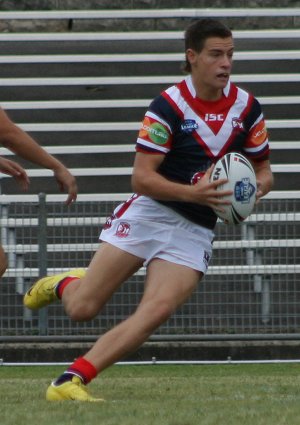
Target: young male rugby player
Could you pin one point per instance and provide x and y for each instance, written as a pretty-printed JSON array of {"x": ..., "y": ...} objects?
[{"x": 167, "y": 225}]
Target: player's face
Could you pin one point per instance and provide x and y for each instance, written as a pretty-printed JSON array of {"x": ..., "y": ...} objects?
[{"x": 212, "y": 66}]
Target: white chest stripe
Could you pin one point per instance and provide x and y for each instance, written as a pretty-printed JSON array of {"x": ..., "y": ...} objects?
[{"x": 215, "y": 142}]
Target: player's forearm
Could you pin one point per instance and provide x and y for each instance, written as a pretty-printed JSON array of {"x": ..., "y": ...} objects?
[
  {"x": 158, "y": 187},
  {"x": 264, "y": 177},
  {"x": 267, "y": 181},
  {"x": 21, "y": 144}
]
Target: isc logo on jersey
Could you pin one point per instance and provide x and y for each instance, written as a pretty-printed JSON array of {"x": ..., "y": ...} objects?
[{"x": 214, "y": 117}]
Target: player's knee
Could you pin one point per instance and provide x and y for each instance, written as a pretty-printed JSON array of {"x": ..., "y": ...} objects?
[
  {"x": 159, "y": 312},
  {"x": 164, "y": 310},
  {"x": 81, "y": 312}
]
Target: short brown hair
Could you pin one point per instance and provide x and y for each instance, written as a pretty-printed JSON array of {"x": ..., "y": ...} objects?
[{"x": 197, "y": 33}]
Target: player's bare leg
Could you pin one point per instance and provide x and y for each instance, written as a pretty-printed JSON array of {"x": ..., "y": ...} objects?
[
  {"x": 168, "y": 285},
  {"x": 83, "y": 298},
  {"x": 103, "y": 276},
  {"x": 109, "y": 268}
]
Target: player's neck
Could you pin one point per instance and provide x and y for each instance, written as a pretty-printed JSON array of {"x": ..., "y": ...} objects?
[{"x": 207, "y": 93}]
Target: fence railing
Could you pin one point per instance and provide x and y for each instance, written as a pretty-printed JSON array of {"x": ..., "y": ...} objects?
[
  {"x": 252, "y": 288},
  {"x": 152, "y": 13}
]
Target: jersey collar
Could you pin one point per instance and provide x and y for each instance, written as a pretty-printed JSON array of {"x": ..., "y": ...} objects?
[{"x": 192, "y": 90}]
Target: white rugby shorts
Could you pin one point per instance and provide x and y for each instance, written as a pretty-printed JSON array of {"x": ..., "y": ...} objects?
[{"x": 147, "y": 229}]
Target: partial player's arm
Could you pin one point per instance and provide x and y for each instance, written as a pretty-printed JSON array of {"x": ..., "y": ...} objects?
[
  {"x": 16, "y": 140},
  {"x": 257, "y": 151},
  {"x": 147, "y": 181},
  {"x": 264, "y": 178}
]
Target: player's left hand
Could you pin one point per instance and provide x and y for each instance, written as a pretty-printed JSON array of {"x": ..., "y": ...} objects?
[
  {"x": 15, "y": 170},
  {"x": 259, "y": 191}
]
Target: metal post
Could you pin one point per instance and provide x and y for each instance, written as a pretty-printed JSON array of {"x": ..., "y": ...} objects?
[
  {"x": 261, "y": 283},
  {"x": 20, "y": 288},
  {"x": 42, "y": 261},
  {"x": 266, "y": 300},
  {"x": 4, "y": 229},
  {"x": 11, "y": 254}
]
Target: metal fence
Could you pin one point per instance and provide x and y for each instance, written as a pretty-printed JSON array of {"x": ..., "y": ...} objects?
[{"x": 252, "y": 287}]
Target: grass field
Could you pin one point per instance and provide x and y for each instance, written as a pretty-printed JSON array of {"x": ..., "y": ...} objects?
[{"x": 265, "y": 394}]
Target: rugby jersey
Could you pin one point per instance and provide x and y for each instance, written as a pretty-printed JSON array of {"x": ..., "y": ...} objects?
[{"x": 193, "y": 133}]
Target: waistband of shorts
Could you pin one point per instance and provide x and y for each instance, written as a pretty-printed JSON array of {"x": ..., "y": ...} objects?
[{"x": 184, "y": 222}]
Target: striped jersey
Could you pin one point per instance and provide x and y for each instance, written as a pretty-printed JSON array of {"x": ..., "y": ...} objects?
[{"x": 193, "y": 133}]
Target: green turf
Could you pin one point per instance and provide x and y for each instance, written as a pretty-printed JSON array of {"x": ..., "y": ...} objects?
[{"x": 159, "y": 395}]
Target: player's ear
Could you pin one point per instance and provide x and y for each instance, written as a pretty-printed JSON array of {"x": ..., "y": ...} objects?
[{"x": 191, "y": 56}]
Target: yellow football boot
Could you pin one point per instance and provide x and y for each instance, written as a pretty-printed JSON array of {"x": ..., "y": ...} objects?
[
  {"x": 70, "y": 390},
  {"x": 43, "y": 290}
]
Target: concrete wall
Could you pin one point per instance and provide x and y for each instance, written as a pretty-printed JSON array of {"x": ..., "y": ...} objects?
[
  {"x": 136, "y": 4},
  {"x": 170, "y": 23},
  {"x": 162, "y": 351}
]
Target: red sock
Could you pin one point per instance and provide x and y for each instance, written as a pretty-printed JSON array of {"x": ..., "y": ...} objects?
[
  {"x": 63, "y": 283},
  {"x": 84, "y": 369}
]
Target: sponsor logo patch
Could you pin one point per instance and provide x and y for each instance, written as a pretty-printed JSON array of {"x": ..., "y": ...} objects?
[
  {"x": 188, "y": 126},
  {"x": 237, "y": 124},
  {"x": 155, "y": 131},
  {"x": 214, "y": 117},
  {"x": 259, "y": 134}
]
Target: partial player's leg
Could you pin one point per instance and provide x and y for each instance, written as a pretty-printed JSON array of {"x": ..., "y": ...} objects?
[
  {"x": 3, "y": 261},
  {"x": 168, "y": 285},
  {"x": 44, "y": 291},
  {"x": 85, "y": 292},
  {"x": 109, "y": 268}
]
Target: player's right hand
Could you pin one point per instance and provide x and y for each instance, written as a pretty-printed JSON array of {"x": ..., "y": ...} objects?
[{"x": 209, "y": 193}]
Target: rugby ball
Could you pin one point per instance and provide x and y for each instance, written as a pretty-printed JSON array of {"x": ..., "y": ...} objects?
[{"x": 242, "y": 181}]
